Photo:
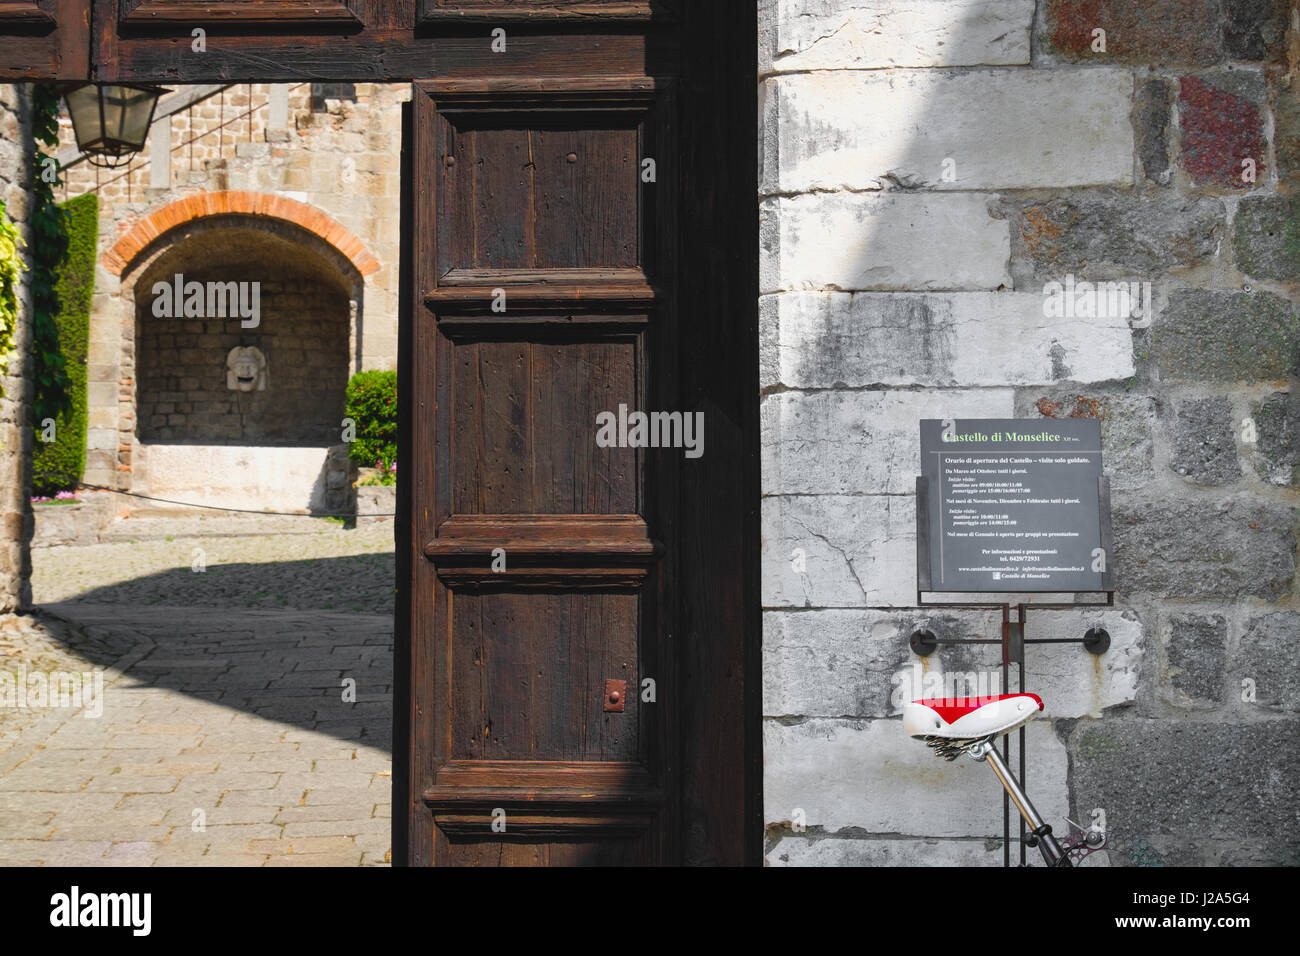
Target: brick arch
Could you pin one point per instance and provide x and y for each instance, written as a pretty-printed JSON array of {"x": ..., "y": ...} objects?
[{"x": 236, "y": 202}]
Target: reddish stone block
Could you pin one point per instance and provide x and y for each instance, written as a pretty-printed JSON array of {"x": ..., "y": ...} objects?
[
  {"x": 1137, "y": 31},
  {"x": 1220, "y": 129}
]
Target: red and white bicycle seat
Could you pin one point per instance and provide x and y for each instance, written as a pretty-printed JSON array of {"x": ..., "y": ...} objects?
[{"x": 966, "y": 718}]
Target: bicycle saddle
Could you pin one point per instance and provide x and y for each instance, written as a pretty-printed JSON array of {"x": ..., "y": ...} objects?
[{"x": 968, "y": 718}]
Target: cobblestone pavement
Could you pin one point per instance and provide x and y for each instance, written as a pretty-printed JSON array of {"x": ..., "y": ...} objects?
[
  {"x": 228, "y": 734},
  {"x": 330, "y": 570}
]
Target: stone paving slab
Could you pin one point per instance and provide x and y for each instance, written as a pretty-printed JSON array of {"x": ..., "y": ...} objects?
[{"x": 224, "y": 739}]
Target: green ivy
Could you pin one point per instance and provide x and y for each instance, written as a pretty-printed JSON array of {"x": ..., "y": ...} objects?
[
  {"x": 59, "y": 465},
  {"x": 11, "y": 266},
  {"x": 372, "y": 406},
  {"x": 49, "y": 244}
]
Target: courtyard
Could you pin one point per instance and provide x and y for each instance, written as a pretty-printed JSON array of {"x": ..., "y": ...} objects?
[{"x": 246, "y": 708}]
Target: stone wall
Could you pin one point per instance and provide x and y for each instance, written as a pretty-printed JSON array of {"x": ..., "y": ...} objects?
[
  {"x": 336, "y": 159},
  {"x": 927, "y": 168},
  {"x": 181, "y": 364},
  {"x": 15, "y": 438}
]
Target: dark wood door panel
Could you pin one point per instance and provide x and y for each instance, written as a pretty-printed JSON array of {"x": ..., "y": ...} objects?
[
  {"x": 523, "y": 426},
  {"x": 528, "y": 674},
  {"x": 44, "y": 39},
  {"x": 511, "y": 195}
]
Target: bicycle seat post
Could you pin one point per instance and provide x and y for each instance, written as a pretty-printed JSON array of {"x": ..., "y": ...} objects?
[{"x": 1053, "y": 855}]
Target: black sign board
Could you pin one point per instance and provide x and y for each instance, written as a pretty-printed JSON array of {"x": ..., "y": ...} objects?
[{"x": 1008, "y": 505}]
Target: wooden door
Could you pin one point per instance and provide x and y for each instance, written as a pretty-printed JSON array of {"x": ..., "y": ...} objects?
[
  {"x": 547, "y": 279},
  {"x": 578, "y": 660}
]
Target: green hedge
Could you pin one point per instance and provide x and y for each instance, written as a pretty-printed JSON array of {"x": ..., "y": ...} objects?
[
  {"x": 372, "y": 406},
  {"x": 58, "y": 465}
]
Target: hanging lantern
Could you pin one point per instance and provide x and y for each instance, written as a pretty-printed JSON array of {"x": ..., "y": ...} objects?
[{"x": 111, "y": 120}]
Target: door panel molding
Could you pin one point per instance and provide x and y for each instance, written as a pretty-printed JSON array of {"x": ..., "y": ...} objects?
[
  {"x": 28, "y": 12},
  {"x": 198, "y": 12},
  {"x": 496, "y": 11}
]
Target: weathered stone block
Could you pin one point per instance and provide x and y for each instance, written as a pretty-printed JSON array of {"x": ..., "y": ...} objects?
[
  {"x": 1222, "y": 126},
  {"x": 1137, "y": 31},
  {"x": 833, "y": 851},
  {"x": 859, "y": 442},
  {"x": 1113, "y": 235},
  {"x": 1255, "y": 29},
  {"x": 839, "y": 551},
  {"x": 995, "y": 129},
  {"x": 1267, "y": 656},
  {"x": 1204, "y": 440},
  {"x": 1266, "y": 237},
  {"x": 1209, "y": 336},
  {"x": 1195, "y": 649},
  {"x": 1151, "y": 113},
  {"x": 871, "y": 776},
  {"x": 822, "y": 340},
  {"x": 882, "y": 241},
  {"x": 857, "y": 663},
  {"x": 796, "y": 35},
  {"x": 1286, "y": 132},
  {"x": 1196, "y": 780},
  {"x": 1127, "y": 426},
  {"x": 1229, "y": 549},
  {"x": 1276, "y": 450}
]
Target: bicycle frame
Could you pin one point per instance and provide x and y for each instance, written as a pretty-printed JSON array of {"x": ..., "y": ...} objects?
[{"x": 1040, "y": 831}]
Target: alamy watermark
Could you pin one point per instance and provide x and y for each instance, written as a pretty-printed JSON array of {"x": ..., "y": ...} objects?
[
  {"x": 1128, "y": 300},
  {"x": 651, "y": 430},
  {"x": 48, "y": 689},
  {"x": 208, "y": 300}
]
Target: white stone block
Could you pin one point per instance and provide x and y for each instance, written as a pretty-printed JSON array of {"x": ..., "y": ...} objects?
[
  {"x": 883, "y": 241},
  {"x": 839, "y": 551},
  {"x": 821, "y": 340},
  {"x": 858, "y": 442},
  {"x": 870, "y": 775},
  {"x": 833, "y": 851},
  {"x": 983, "y": 129},
  {"x": 233, "y": 476},
  {"x": 863, "y": 34}
]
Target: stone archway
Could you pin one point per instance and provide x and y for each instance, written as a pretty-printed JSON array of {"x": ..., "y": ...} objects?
[{"x": 190, "y": 427}]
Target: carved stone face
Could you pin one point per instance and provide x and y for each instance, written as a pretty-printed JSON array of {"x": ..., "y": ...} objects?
[{"x": 246, "y": 369}]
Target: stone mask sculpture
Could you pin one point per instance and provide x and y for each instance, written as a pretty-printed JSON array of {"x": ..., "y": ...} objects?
[{"x": 246, "y": 369}]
